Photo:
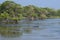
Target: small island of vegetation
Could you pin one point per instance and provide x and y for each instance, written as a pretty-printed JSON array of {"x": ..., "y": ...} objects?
[{"x": 11, "y": 12}]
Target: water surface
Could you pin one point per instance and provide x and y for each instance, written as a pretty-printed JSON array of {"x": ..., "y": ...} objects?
[{"x": 48, "y": 29}]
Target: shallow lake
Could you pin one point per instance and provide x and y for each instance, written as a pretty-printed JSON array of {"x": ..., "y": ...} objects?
[{"x": 48, "y": 29}]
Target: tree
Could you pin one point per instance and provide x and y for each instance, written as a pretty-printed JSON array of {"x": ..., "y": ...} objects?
[{"x": 8, "y": 0}]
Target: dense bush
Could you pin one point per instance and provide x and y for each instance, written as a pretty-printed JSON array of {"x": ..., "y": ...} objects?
[{"x": 10, "y": 10}]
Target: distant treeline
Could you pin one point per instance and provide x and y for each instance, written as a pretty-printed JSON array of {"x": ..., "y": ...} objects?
[{"x": 11, "y": 11}]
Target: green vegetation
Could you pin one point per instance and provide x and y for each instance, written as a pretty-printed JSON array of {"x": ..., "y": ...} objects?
[{"x": 12, "y": 12}]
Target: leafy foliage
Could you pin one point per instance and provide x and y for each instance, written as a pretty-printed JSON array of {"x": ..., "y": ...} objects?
[{"x": 12, "y": 11}]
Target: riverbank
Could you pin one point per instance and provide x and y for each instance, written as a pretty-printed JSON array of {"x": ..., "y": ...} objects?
[{"x": 11, "y": 12}]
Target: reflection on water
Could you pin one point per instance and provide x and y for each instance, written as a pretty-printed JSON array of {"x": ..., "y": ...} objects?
[
  {"x": 48, "y": 29},
  {"x": 10, "y": 31},
  {"x": 16, "y": 30}
]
